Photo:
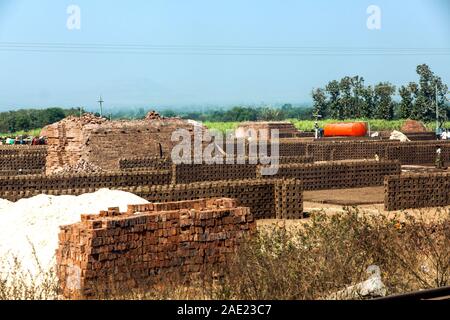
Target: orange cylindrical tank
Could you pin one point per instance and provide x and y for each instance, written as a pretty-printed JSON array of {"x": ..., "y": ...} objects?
[{"x": 348, "y": 129}]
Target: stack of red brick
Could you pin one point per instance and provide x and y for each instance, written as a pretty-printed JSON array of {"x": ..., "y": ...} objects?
[{"x": 119, "y": 252}]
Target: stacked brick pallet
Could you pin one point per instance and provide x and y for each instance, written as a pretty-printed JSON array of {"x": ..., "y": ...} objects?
[
  {"x": 16, "y": 187},
  {"x": 118, "y": 252},
  {"x": 340, "y": 174},
  {"x": 417, "y": 191}
]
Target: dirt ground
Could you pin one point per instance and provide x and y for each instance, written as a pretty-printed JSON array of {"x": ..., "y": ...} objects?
[
  {"x": 349, "y": 197},
  {"x": 368, "y": 200}
]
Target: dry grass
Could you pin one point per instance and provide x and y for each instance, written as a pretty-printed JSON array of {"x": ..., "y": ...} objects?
[{"x": 310, "y": 261}]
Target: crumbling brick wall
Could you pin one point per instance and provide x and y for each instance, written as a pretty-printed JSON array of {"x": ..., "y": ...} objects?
[
  {"x": 339, "y": 174},
  {"x": 103, "y": 143},
  {"x": 416, "y": 191},
  {"x": 118, "y": 252}
]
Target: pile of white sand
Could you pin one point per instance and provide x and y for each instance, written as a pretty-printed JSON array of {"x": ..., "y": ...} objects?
[{"x": 33, "y": 224}]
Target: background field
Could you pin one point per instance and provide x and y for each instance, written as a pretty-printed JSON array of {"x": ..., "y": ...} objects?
[
  {"x": 308, "y": 125},
  {"x": 303, "y": 125}
]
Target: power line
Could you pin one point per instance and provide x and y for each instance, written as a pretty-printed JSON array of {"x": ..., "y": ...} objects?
[{"x": 215, "y": 50}]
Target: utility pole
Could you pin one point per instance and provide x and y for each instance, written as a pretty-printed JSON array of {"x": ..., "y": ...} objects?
[
  {"x": 100, "y": 102},
  {"x": 437, "y": 108}
]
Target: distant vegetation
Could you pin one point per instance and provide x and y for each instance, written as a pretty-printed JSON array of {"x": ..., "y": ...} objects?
[
  {"x": 347, "y": 98},
  {"x": 308, "y": 125},
  {"x": 350, "y": 98},
  {"x": 29, "y": 121}
]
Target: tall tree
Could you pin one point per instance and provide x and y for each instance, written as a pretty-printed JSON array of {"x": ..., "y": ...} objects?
[
  {"x": 346, "y": 98},
  {"x": 430, "y": 88},
  {"x": 368, "y": 107},
  {"x": 357, "y": 89},
  {"x": 383, "y": 98},
  {"x": 334, "y": 107},
  {"x": 407, "y": 102},
  {"x": 319, "y": 102}
]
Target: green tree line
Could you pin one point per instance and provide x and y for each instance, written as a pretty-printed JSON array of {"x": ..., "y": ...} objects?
[
  {"x": 246, "y": 113},
  {"x": 28, "y": 119},
  {"x": 350, "y": 98}
]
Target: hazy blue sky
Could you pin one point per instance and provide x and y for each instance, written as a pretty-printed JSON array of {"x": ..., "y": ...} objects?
[{"x": 32, "y": 77}]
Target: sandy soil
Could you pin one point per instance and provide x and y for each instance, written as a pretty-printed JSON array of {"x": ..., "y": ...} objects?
[
  {"x": 349, "y": 197},
  {"x": 368, "y": 200}
]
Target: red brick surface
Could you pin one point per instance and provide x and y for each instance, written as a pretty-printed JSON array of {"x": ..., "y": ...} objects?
[{"x": 125, "y": 251}]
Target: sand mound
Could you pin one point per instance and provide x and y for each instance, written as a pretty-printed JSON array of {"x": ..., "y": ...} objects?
[{"x": 33, "y": 224}]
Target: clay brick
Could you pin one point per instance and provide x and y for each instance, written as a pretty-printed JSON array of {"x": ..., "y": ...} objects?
[{"x": 125, "y": 255}]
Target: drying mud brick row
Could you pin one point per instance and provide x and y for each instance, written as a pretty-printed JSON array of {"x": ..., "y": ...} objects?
[
  {"x": 26, "y": 161},
  {"x": 22, "y": 150},
  {"x": 420, "y": 136},
  {"x": 15, "y": 185},
  {"x": 346, "y": 150},
  {"x": 266, "y": 198},
  {"x": 339, "y": 174},
  {"x": 158, "y": 163},
  {"x": 103, "y": 143},
  {"x": 145, "y": 163},
  {"x": 340, "y": 150},
  {"x": 417, "y": 191},
  {"x": 188, "y": 173},
  {"x": 119, "y": 252},
  {"x": 20, "y": 172},
  {"x": 419, "y": 153}
]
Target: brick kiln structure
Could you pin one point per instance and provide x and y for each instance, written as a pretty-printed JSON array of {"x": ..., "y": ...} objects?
[
  {"x": 118, "y": 252},
  {"x": 102, "y": 143},
  {"x": 286, "y": 129}
]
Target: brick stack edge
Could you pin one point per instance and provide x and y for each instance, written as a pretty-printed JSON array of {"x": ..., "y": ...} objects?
[
  {"x": 410, "y": 191},
  {"x": 117, "y": 252}
]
